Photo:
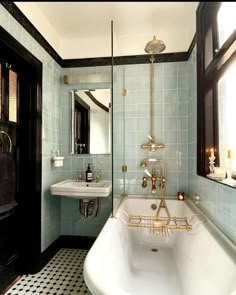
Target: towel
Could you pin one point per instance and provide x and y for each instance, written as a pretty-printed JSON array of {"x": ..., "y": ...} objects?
[{"x": 7, "y": 182}]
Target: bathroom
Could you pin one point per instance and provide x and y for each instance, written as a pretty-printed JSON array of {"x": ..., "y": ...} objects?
[{"x": 56, "y": 222}]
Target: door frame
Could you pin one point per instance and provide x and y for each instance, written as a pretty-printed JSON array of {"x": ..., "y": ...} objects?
[{"x": 29, "y": 162}]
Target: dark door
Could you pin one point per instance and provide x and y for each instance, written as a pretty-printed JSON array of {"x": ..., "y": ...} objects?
[{"x": 20, "y": 119}]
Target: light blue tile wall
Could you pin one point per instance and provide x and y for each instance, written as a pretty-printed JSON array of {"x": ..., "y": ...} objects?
[
  {"x": 217, "y": 200},
  {"x": 72, "y": 222},
  {"x": 132, "y": 124},
  {"x": 51, "y": 126}
]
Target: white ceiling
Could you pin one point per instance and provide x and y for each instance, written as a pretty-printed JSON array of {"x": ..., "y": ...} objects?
[{"x": 83, "y": 29}]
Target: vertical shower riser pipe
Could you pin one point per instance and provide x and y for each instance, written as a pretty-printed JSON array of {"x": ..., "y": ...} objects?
[{"x": 152, "y": 59}]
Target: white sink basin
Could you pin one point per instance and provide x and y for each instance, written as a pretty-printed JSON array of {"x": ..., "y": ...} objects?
[{"x": 81, "y": 190}]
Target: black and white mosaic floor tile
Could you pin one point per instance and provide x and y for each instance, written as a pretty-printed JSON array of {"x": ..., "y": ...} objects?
[{"x": 63, "y": 275}]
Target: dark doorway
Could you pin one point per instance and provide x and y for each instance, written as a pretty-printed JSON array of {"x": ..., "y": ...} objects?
[
  {"x": 20, "y": 231},
  {"x": 82, "y": 126}
]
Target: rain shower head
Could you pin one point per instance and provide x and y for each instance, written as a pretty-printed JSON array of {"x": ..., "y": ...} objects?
[{"x": 155, "y": 46}]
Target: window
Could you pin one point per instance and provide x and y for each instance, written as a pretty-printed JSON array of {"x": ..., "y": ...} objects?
[
  {"x": 227, "y": 118},
  {"x": 226, "y": 21},
  {"x": 216, "y": 64},
  {"x": 9, "y": 94},
  {"x": 13, "y": 94}
]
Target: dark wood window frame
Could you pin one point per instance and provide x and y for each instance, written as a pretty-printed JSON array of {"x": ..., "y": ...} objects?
[{"x": 207, "y": 79}]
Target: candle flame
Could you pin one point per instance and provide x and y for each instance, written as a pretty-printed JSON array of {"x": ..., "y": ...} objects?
[{"x": 229, "y": 154}]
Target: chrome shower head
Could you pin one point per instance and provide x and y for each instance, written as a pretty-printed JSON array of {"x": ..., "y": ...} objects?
[{"x": 155, "y": 46}]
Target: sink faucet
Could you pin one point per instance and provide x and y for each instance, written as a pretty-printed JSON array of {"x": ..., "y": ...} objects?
[
  {"x": 79, "y": 178},
  {"x": 97, "y": 176}
]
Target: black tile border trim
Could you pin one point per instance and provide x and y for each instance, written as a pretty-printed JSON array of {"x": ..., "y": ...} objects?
[
  {"x": 30, "y": 28},
  {"x": 193, "y": 43},
  {"x": 72, "y": 242},
  {"x": 91, "y": 62}
]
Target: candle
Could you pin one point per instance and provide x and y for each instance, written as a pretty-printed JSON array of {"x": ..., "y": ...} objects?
[
  {"x": 229, "y": 154},
  {"x": 212, "y": 152},
  {"x": 219, "y": 172}
]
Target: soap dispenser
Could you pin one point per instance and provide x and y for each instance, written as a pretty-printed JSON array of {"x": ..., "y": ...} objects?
[{"x": 89, "y": 174}]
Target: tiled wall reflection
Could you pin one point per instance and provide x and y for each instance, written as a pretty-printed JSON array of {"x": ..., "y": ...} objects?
[
  {"x": 217, "y": 200},
  {"x": 132, "y": 124}
]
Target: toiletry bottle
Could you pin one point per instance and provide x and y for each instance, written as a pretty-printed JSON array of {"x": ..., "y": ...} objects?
[{"x": 89, "y": 174}]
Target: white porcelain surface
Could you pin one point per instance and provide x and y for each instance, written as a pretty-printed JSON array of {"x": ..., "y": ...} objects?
[
  {"x": 121, "y": 262},
  {"x": 81, "y": 190}
]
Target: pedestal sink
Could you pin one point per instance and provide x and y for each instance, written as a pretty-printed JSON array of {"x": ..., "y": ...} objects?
[{"x": 82, "y": 190}]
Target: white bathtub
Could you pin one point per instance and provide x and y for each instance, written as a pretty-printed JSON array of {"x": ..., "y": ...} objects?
[{"x": 200, "y": 262}]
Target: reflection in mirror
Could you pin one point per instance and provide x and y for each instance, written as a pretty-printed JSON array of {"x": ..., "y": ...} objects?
[
  {"x": 227, "y": 119},
  {"x": 90, "y": 124}
]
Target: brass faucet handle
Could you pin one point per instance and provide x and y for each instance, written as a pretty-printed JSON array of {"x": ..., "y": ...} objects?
[
  {"x": 144, "y": 184},
  {"x": 163, "y": 182}
]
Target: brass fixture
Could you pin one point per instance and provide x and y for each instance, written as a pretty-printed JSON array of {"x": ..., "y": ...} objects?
[
  {"x": 180, "y": 196},
  {"x": 153, "y": 47},
  {"x": 124, "y": 168},
  {"x": 145, "y": 162},
  {"x": 162, "y": 205},
  {"x": 152, "y": 146},
  {"x": 144, "y": 184},
  {"x": 153, "y": 177},
  {"x": 159, "y": 225},
  {"x": 124, "y": 92}
]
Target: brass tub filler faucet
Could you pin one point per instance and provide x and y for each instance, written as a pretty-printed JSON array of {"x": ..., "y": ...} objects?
[
  {"x": 162, "y": 223},
  {"x": 154, "y": 177}
]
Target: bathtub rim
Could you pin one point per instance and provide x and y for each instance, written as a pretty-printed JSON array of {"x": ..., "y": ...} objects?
[
  {"x": 224, "y": 241},
  {"x": 93, "y": 281}
]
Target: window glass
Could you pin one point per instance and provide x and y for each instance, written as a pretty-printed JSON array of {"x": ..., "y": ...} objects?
[
  {"x": 227, "y": 118},
  {"x": 226, "y": 21},
  {"x": 208, "y": 47},
  {"x": 13, "y": 93}
]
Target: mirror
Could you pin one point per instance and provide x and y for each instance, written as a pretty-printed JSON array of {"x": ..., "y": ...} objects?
[{"x": 91, "y": 121}]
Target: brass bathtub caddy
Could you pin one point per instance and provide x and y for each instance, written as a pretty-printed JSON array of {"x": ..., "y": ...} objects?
[{"x": 158, "y": 225}]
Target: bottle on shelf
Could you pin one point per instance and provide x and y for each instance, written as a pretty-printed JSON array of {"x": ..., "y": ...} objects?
[{"x": 89, "y": 174}]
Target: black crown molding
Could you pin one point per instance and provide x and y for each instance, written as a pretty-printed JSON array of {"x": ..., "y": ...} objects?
[
  {"x": 193, "y": 43},
  {"x": 91, "y": 62},
  {"x": 30, "y": 28}
]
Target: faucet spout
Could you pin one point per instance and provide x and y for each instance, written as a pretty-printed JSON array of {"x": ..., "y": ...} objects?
[{"x": 154, "y": 189}]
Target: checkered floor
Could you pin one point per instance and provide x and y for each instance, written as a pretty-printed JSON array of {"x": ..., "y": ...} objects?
[{"x": 63, "y": 275}]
